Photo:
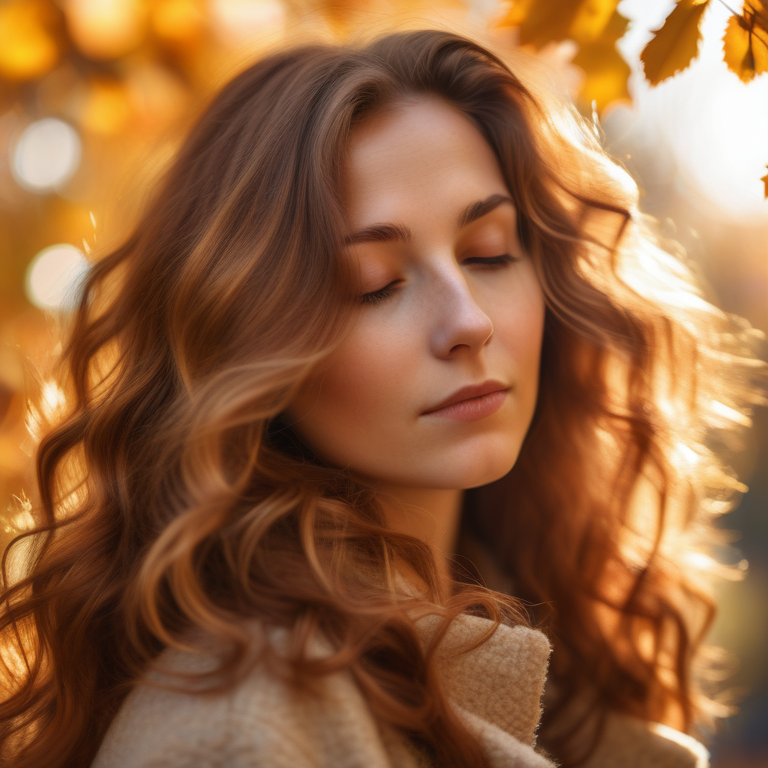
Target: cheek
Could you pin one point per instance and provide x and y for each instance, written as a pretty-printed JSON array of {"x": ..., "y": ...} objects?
[
  {"x": 356, "y": 397},
  {"x": 354, "y": 384},
  {"x": 519, "y": 325}
]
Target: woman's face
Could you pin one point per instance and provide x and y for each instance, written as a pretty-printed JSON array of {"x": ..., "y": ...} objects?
[{"x": 450, "y": 301}]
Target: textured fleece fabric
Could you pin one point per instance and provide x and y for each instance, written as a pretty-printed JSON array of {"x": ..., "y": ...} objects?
[{"x": 264, "y": 723}]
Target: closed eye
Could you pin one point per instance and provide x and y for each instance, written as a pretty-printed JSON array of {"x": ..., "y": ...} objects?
[
  {"x": 484, "y": 262},
  {"x": 492, "y": 261},
  {"x": 376, "y": 296}
]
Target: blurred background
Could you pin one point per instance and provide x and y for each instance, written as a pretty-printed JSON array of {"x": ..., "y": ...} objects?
[{"x": 95, "y": 95}]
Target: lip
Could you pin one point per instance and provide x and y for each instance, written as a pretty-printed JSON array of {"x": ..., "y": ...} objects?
[{"x": 470, "y": 403}]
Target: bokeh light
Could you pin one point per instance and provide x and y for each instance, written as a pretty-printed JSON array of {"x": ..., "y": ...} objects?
[
  {"x": 238, "y": 20},
  {"x": 46, "y": 155},
  {"x": 27, "y": 48},
  {"x": 106, "y": 29},
  {"x": 54, "y": 276},
  {"x": 178, "y": 20}
]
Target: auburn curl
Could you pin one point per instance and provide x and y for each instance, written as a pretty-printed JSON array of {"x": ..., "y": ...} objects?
[{"x": 171, "y": 497}]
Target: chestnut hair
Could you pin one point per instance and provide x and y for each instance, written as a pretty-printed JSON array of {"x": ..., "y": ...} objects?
[{"x": 171, "y": 497}]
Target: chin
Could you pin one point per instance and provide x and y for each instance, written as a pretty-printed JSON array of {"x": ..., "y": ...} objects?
[
  {"x": 488, "y": 475},
  {"x": 480, "y": 468},
  {"x": 489, "y": 460}
]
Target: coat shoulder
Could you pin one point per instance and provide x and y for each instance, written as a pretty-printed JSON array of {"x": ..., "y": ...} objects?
[{"x": 262, "y": 720}]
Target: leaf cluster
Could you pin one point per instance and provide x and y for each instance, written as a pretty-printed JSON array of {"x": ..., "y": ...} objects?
[{"x": 596, "y": 26}]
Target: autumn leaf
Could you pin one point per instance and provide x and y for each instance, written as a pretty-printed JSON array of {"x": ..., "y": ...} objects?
[
  {"x": 676, "y": 43},
  {"x": 595, "y": 25},
  {"x": 765, "y": 181},
  {"x": 546, "y": 21},
  {"x": 745, "y": 45},
  {"x": 594, "y": 19},
  {"x": 606, "y": 71}
]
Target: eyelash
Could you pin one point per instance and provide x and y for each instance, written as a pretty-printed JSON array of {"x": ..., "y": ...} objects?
[{"x": 492, "y": 262}]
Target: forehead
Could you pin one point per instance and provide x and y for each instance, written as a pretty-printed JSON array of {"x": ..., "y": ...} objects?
[{"x": 416, "y": 153}]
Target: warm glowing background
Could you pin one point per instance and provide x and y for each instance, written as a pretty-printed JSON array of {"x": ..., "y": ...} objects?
[{"x": 94, "y": 95}]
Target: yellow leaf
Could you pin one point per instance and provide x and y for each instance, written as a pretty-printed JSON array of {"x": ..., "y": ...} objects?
[
  {"x": 608, "y": 84},
  {"x": 547, "y": 21},
  {"x": 676, "y": 43},
  {"x": 595, "y": 25},
  {"x": 606, "y": 71},
  {"x": 745, "y": 46},
  {"x": 592, "y": 19}
]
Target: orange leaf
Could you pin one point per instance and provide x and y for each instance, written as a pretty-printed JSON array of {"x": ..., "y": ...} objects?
[
  {"x": 676, "y": 43},
  {"x": 547, "y": 21},
  {"x": 765, "y": 181},
  {"x": 606, "y": 71},
  {"x": 592, "y": 19},
  {"x": 745, "y": 46},
  {"x": 595, "y": 25},
  {"x": 759, "y": 13}
]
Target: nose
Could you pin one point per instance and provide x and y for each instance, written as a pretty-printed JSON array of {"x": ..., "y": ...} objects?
[{"x": 460, "y": 322}]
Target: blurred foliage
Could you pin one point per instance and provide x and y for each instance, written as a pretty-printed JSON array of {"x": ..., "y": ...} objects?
[
  {"x": 596, "y": 26},
  {"x": 117, "y": 65}
]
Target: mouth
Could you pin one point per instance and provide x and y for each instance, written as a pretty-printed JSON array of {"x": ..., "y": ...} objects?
[{"x": 472, "y": 402}]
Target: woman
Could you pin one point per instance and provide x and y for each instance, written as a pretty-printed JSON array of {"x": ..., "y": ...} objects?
[{"x": 390, "y": 350}]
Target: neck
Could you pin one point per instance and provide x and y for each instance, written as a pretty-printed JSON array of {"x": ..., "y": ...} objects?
[{"x": 429, "y": 515}]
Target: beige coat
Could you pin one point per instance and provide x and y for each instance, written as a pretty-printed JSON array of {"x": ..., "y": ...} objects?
[{"x": 496, "y": 689}]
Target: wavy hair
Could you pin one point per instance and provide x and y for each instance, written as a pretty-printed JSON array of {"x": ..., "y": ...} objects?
[{"x": 171, "y": 497}]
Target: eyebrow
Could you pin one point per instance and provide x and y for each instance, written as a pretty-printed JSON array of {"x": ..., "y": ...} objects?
[{"x": 387, "y": 233}]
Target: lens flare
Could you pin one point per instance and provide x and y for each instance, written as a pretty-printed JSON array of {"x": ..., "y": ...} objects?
[
  {"x": 46, "y": 155},
  {"x": 54, "y": 277}
]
